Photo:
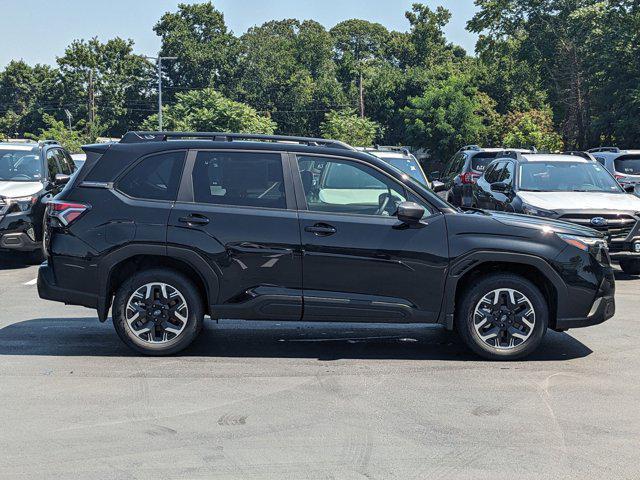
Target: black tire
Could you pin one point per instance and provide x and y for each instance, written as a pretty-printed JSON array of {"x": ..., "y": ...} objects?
[
  {"x": 36, "y": 257},
  {"x": 177, "y": 281},
  {"x": 466, "y": 318},
  {"x": 630, "y": 266}
]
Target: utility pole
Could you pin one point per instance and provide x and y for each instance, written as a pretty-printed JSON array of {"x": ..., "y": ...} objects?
[
  {"x": 91, "y": 99},
  {"x": 159, "y": 60}
]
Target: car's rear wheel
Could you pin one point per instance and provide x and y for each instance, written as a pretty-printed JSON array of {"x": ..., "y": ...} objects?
[
  {"x": 502, "y": 317},
  {"x": 630, "y": 266},
  {"x": 158, "y": 312}
]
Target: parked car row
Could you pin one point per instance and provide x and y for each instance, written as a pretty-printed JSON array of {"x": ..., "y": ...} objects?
[
  {"x": 165, "y": 228},
  {"x": 31, "y": 174},
  {"x": 577, "y": 188}
]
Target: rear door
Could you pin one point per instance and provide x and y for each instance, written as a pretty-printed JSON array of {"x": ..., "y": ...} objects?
[
  {"x": 359, "y": 262},
  {"x": 236, "y": 209}
]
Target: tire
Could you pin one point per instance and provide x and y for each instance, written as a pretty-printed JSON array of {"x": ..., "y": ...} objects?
[
  {"x": 135, "y": 308},
  {"x": 481, "y": 297},
  {"x": 34, "y": 257},
  {"x": 630, "y": 266}
]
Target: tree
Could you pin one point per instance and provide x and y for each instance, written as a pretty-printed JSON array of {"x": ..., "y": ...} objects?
[
  {"x": 357, "y": 42},
  {"x": 287, "y": 69},
  {"x": 531, "y": 129},
  {"x": 207, "y": 110},
  {"x": 448, "y": 115},
  {"x": 348, "y": 127},
  {"x": 106, "y": 80},
  {"x": 205, "y": 49},
  {"x": 72, "y": 140}
]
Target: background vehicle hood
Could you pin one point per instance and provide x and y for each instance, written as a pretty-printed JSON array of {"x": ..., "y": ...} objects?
[
  {"x": 581, "y": 200},
  {"x": 539, "y": 223},
  {"x": 19, "y": 189}
]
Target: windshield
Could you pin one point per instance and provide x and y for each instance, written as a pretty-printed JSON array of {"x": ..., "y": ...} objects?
[
  {"x": 567, "y": 177},
  {"x": 20, "y": 164},
  {"x": 629, "y": 165},
  {"x": 408, "y": 165}
]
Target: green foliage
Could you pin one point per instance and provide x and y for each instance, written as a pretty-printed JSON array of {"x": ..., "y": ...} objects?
[
  {"x": 348, "y": 127},
  {"x": 207, "y": 110},
  {"x": 447, "y": 115},
  {"x": 205, "y": 49},
  {"x": 531, "y": 129},
  {"x": 72, "y": 140}
]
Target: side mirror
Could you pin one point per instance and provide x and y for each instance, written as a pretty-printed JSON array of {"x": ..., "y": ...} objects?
[
  {"x": 500, "y": 187},
  {"x": 61, "y": 179},
  {"x": 410, "y": 212},
  {"x": 434, "y": 175},
  {"x": 438, "y": 186}
]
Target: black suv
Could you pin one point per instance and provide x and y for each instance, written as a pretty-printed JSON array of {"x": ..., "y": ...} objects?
[
  {"x": 30, "y": 174},
  {"x": 459, "y": 175},
  {"x": 166, "y": 228}
]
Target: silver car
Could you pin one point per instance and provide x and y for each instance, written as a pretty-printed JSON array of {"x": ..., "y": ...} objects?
[{"x": 623, "y": 164}]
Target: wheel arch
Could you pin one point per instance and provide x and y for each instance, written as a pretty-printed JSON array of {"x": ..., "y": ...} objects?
[
  {"x": 465, "y": 270},
  {"x": 126, "y": 261}
]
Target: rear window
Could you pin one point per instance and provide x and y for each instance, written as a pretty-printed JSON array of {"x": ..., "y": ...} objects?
[
  {"x": 628, "y": 165},
  {"x": 157, "y": 177},
  {"x": 481, "y": 161}
]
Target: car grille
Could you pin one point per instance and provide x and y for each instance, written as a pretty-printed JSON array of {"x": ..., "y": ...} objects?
[{"x": 617, "y": 228}]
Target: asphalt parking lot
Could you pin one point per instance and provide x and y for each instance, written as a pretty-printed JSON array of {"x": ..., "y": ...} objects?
[{"x": 294, "y": 401}]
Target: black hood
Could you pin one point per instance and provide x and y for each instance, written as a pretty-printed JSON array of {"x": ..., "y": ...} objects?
[{"x": 557, "y": 226}]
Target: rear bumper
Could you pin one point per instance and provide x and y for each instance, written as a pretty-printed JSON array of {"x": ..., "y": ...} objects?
[{"x": 49, "y": 290}]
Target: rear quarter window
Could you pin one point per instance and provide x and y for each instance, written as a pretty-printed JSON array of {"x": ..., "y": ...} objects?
[{"x": 156, "y": 177}]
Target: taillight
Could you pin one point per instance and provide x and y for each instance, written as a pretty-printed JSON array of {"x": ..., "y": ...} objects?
[
  {"x": 66, "y": 212},
  {"x": 469, "y": 177}
]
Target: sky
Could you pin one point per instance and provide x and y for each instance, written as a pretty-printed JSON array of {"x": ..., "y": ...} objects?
[{"x": 37, "y": 31}]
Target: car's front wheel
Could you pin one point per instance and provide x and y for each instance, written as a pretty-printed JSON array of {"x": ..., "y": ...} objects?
[
  {"x": 158, "y": 312},
  {"x": 630, "y": 266},
  {"x": 502, "y": 317}
]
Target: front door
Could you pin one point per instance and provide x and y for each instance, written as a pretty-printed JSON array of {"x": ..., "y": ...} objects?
[
  {"x": 236, "y": 210},
  {"x": 359, "y": 262}
]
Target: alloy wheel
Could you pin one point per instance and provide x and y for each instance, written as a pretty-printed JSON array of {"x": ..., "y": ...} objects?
[
  {"x": 157, "y": 313},
  {"x": 504, "y": 318}
]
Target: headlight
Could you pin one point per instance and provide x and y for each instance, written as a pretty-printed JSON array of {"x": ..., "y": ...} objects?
[
  {"x": 538, "y": 212},
  {"x": 20, "y": 204},
  {"x": 584, "y": 243}
]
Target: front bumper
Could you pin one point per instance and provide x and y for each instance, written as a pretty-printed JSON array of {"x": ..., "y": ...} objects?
[
  {"x": 18, "y": 232},
  {"x": 49, "y": 290},
  {"x": 602, "y": 310}
]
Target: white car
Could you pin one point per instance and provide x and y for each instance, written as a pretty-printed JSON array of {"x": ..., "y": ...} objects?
[
  {"x": 565, "y": 187},
  {"x": 402, "y": 159}
]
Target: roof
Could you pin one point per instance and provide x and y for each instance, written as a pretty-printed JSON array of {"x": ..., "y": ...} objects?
[
  {"x": 387, "y": 154},
  {"x": 18, "y": 146}
]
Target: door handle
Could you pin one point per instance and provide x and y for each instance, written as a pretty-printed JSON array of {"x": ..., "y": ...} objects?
[
  {"x": 194, "y": 219},
  {"x": 321, "y": 229}
]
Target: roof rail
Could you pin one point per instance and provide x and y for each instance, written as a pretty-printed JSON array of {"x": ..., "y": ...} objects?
[
  {"x": 392, "y": 148},
  {"x": 604, "y": 149},
  {"x": 471, "y": 147},
  {"x": 140, "y": 137},
  {"x": 48, "y": 142},
  {"x": 511, "y": 154},
  {"x": 579, "y": 153}
]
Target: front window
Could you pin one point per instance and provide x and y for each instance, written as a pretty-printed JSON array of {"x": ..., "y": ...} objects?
[
  {"x": 567, "y": 177},
  {"x": 342, "y": 186},
  {"x": 20, "y": 164}
]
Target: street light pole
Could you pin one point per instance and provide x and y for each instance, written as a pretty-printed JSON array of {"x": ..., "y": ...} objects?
[{"x": 159, "y": 60}]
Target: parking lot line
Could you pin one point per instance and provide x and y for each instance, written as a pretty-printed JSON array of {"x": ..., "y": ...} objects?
[{"x": 31, "y": 282}]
